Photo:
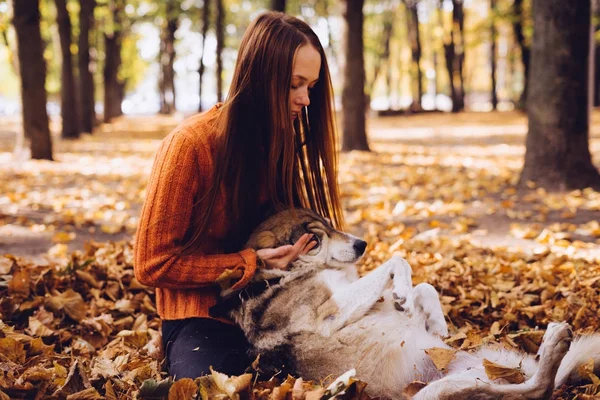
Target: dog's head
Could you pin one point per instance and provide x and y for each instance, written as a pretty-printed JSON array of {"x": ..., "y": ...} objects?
[{"x": 333, "y": 248}]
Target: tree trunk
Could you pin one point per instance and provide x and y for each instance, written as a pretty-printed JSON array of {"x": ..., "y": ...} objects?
[
  {"x": 412, "y": 21},
  {"x": 353, "y": 93},
  {"x": 493, "y": 57},
  {"x": 68, "y": 104},
  {"x": 113, "y": 90},
  {"x": 525, "y": 51},
  {"x": 557, "y": 155},
  {"x": 278, "y": 5},
  {"x": 205, "y": 22},
  {"x": 220, "y": 44},
  {"x": 596, "y": 44},
  {"x": 167, "y": 60},
  {"x": 454, "y": 54},
  {"x": 32, "y": 69},
  {"x": 86, "y": 67},
  {"x": 388, "y": 25}
]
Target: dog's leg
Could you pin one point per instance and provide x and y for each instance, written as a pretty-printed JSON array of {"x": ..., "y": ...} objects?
[
  {"x": 427, "y": 301},
  {"x": 469, "y": 384},
  {"x": 402, "y": 291},
  {"x": 351, "y": 303}
]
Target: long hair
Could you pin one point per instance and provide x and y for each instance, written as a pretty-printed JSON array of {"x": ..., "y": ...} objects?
[{"x": 259, "y": 140}]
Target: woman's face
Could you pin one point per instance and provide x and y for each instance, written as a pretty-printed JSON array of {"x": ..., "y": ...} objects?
[{"x": 305, "y": 73}]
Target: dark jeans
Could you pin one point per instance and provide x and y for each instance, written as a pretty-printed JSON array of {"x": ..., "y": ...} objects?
[{"x": 192, "y": 345}]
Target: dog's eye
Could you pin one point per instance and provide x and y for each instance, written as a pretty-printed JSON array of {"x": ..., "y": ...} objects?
[{"x": 317, "y": 239}]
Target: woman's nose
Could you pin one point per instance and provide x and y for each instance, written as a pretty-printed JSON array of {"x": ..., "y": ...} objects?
[{"x": 303, "y": 100}]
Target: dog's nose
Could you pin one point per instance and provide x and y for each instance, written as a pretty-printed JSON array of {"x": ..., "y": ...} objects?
[{"x": 360, "y": 246}]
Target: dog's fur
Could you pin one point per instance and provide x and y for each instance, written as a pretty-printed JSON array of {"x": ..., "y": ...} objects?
[{"x": 319, "y": 319}]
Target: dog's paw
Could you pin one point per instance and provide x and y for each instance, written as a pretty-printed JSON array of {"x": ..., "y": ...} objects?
[
  {"x": 556, "y": 341},
  {"x": 427, "y": 301}
]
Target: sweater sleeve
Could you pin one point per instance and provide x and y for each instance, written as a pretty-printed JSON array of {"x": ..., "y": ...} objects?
[{"x": 166, "y": 216}]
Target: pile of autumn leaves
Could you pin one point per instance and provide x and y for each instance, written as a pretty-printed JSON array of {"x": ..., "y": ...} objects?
[{"x": 82, "y": 327}]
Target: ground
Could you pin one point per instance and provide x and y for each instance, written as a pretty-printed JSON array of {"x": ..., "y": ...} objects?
[{"x": 437, "y": 189}]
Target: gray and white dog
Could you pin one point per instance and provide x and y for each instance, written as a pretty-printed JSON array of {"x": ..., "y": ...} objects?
[{"x": 319, "y": 319}]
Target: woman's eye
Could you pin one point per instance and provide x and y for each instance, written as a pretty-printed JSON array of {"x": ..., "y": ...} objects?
[{"x": 294, "y": 87}]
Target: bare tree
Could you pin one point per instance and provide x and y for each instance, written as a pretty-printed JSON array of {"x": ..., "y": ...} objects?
[
  {"x": 220, "y": 30},
  {"x": 205, "y": 22},
  {"x": 113, "y": 87},
  {"x": 557, "y": 155},
  {"x": 278, "y": 5},
  {"x": 68, "y": 103},
  {"x": 32, "y": 70},
  {"x": 518, "y": 22},
  {"x": 86, "y": 66},
  {"x": 414, "y": 38},
  {"x": 454, "y": 51},
  {"x": 167, "y": 58},
  {"x": 493, "y": 58},
  {"x": 353, "y": 94}
]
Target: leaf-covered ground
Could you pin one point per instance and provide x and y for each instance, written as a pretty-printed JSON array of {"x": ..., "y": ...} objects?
[{"x": 439, "y": 190}]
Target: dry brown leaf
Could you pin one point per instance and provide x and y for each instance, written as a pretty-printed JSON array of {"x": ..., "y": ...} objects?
[
  {"x": 19, "y": 285},
  {"x": 37, "y": 328},
  {"x": 110, "y": 393},
  {"x": 230, "y": 385},
  {"x": 12, "y": 350},
  {"x": 37, "y": 373},
  {"x": 70, "y": 302},
  {"x": 441, "y": 357},
  {"x": 413, "y": 388},
  {"x": 183, "y": 389},
  {"x": 586, "y": 370},
  {"x": 496, "y": 371},
  {"x": 87, "y": 394}
]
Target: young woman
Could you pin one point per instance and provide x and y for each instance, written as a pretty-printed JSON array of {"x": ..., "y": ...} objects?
[{"x": 269, "y": 146}]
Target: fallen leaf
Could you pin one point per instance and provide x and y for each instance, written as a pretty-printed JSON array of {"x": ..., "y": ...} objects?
[
  {"x": 441, "y": 357},
  {"x": 496, "y": 371}
]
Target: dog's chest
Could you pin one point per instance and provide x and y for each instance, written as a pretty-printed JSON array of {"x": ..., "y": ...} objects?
[{"x": 336, "y": 279}]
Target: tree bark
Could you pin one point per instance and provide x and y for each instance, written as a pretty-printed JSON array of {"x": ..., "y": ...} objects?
[
  {"x": 86, "y": 67},
  {"x": 596, "y": 45},
  {"x": 113, "y": 88},
  {"x": 353, "y": 93},
  {"x": 455, "y": 56},
  {"x": 278, "y": 5},
  {"x": 388, "y": 25},
  {"x": 68, "y": 103},
  {"x": 525, "y": 51},
  {"x": 205, "y": 22},
  {"x": 220, "y": 45},
  {"x": 557, "y": 155},
  {"x": 493, "y": 58},
  {"x": 167, "y": 59},
  {"x": 32, "y": 69},
  {"x": 412, "y": 21}
]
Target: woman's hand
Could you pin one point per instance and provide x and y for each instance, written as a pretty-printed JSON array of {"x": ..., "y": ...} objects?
[{"x": 281, "y": 257}]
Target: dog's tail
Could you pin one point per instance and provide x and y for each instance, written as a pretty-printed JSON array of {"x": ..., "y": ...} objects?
[{"x": 583, "y": 351}]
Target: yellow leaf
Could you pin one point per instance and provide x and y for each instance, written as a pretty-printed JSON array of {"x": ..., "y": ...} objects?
[
  {"x": 12, "y": 350},
  {"x": 183, "y": 389},
  {"x": 63, "y": 237},
  {"x": 441, "y": 357},
  {"x": 496, "y": 371},
  {"x": 230, "y": 385}
]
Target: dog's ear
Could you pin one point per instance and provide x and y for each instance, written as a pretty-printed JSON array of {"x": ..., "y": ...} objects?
[
  {"x": 266, "y": 240},
  {"x": 297, "y": 232}
]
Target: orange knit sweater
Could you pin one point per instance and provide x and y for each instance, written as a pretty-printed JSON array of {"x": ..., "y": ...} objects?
[{"x": 182, "y": 171}]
